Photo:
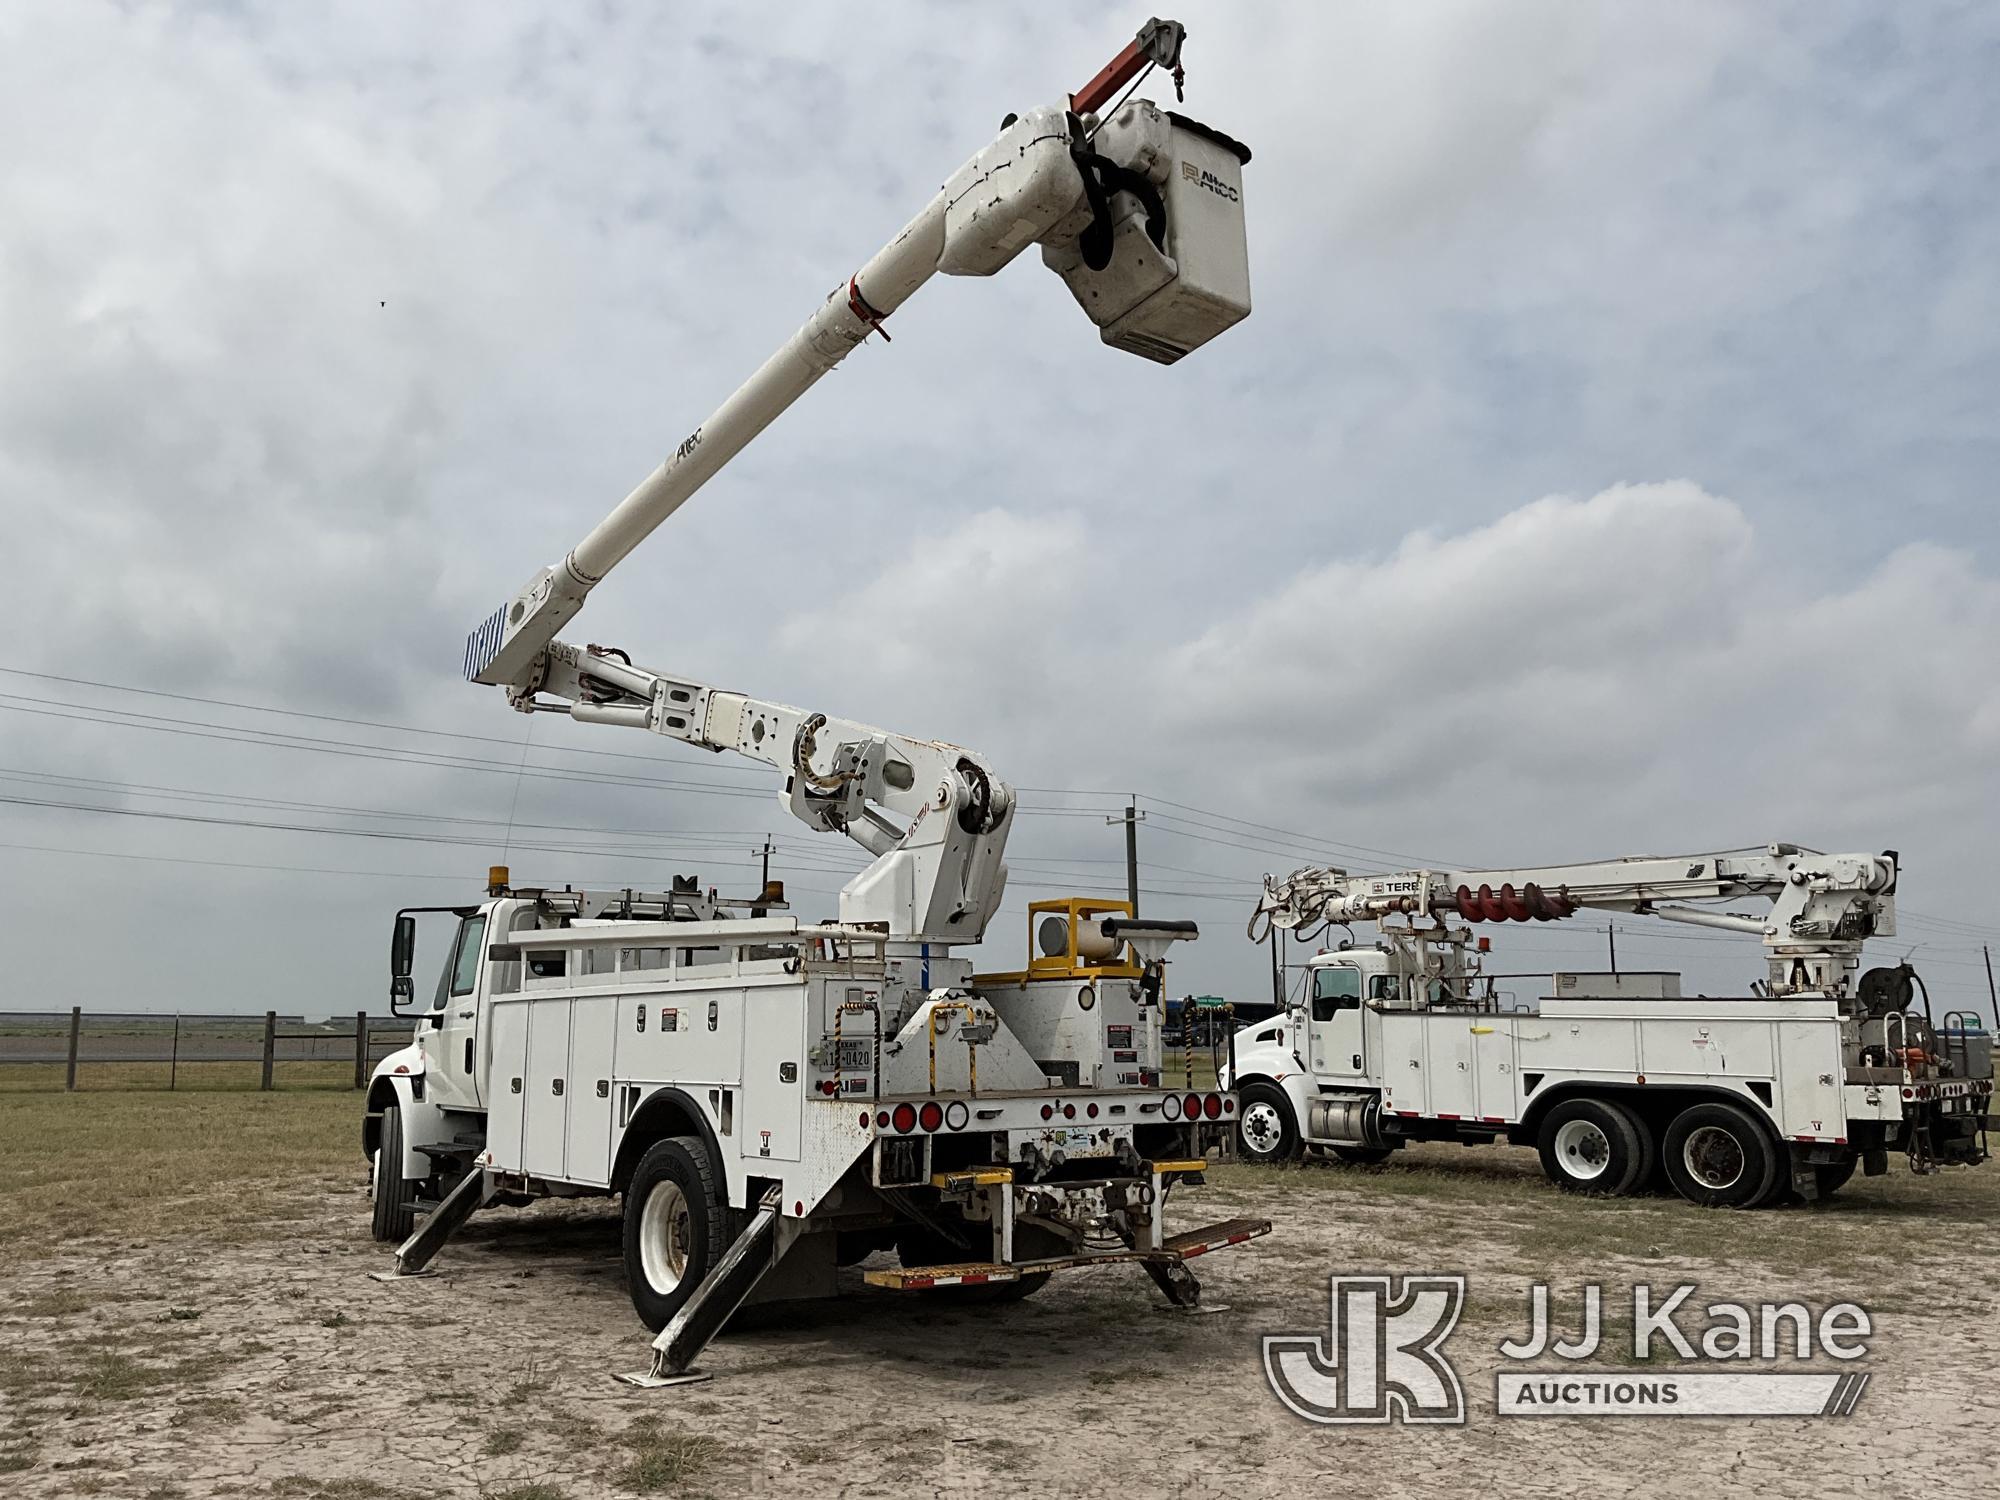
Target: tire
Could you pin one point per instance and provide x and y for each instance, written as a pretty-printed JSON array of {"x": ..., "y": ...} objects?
[
  {"x": 1594, "y": 1147},
  {"x": 675, "y": 1227},
  {"x": 1719, "y": 1156},
  {"x": 1266, "y": 1132},
  {"x": 1832, "y": 1177},
  {"x": 1362, "y": 1156},
  {"x": 393, "y": 1218}
]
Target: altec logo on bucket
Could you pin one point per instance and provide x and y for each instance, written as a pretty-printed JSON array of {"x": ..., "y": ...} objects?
[{"x": 1382, "y": 1358}]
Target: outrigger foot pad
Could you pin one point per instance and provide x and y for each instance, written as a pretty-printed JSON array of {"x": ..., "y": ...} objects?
[{"x": 647, "y": 1380}]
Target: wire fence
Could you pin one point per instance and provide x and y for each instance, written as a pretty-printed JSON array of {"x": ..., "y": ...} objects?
[{"x": 78, "y": 1050}]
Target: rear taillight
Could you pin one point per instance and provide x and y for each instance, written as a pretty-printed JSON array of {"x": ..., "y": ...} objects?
[
  {"x": 1069, "y": 1111},
  {"x": 882, "y": 1119},
  {"x": 1212, "y": 1106},
  {"x": 1229, "y": 1105},
  {"x": 905, "y": 1118},
  {"x": 1191, "y": 1106},
  {"x": 864, "y": 1119},
  {"x": 1091, "y": 1110},
  {"x": 931, "y": 1116},
  {"x": 1048, "y": 1112}
]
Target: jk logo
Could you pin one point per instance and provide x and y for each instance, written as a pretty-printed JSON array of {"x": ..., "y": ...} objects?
[{"x": 1380, "y": 1361}]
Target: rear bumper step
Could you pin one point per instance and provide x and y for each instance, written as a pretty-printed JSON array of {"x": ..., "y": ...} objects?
[{"x": 1178, "y": 1248}]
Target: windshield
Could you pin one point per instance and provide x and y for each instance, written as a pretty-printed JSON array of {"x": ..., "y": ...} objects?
[{"x": 461, "y": 969}]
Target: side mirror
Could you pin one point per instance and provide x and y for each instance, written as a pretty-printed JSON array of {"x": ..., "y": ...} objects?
[
  {"x": 401, "y": 993},
  {"x": 403, "y": 948}
]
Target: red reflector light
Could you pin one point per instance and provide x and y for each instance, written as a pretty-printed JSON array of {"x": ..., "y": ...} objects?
[
  {"x": 1048, "y": 1112},
  {"x": 1212, "y": 1106},
  {"x": 1229, "y": 1106},
  {"x": 906, "y": 1118},
  {"x": 930, "y": 1116},
  {"x": 1191, "y": 1106},
  {"x": 1091, "y": 1110},
  {"x": 864, "y": 1119},
  {"x": 882, "y": 1119},
  {"x": 1069, "y": 1111}
]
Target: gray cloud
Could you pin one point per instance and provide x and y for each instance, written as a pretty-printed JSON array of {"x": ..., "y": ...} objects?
[{"x": 320, "y": 335}]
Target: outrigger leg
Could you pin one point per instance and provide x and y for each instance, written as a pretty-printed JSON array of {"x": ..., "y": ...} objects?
[
  {"x": 1178, "y": 1283},
  {"x": 680, "y": 1343},
  {"x": 474, "y": 1190}
]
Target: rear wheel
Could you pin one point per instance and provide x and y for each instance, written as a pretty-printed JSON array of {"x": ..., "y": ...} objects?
[
  {"x": 674, "y": 1225},
  {"x": 394, "y": 1217},
  {"x": 1719, "y": 1156},
  {"x": 1831, "y": 1177},
  {"x": 1265, "y": 1129},
  {"x": 1594, "y": 1146}
]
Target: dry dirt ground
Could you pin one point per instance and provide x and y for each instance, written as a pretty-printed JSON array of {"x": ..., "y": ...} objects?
[{"x": 245, "y": 1351}]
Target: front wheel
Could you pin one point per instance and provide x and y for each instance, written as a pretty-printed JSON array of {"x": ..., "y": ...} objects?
[
  {"x": 394, "y": 1217},
  {"x": 1719, "y": 1156},
  {"x": 1265, "y": 1129},
  {"x": 674, "y": 1222}
]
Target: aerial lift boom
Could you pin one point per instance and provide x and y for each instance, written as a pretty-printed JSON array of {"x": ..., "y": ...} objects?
[
  {"x": 1140, "y": 211},
  {"x": 1822, "y": 906}
]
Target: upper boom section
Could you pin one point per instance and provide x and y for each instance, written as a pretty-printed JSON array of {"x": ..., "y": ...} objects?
[{"x": 1140, "y": 213}]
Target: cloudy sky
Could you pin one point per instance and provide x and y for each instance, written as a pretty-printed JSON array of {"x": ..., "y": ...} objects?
[{"x": 1607, "y": 467}]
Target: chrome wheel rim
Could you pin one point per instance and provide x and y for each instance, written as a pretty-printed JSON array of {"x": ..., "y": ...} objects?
[
  {"x": 1584, "y": 1148},
  {"x": 1713, "y": 1157},
  {"x": 665, "y": 1230},
  {"x": 1262, "y": 1129}
]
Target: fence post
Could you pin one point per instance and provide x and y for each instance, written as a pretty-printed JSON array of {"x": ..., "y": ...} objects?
[
  {"x": 75, "y": 1026},
  {"x": 270, "y": 1046},
  {"x": 361, "y": 1049}
]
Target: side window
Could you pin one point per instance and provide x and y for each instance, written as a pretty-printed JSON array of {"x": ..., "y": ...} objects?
[
  {"x": 465, "y": 962},
  {"x": 1335, "y": 989},
  {"x": 1384, "y": 987}
]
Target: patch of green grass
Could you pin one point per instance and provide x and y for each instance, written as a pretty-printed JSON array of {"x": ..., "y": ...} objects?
[
  {"x": 81, "y": 1168},
  {"x": 122, "y": 1377},
  {"x": 305, "y": 1487},
  {"x": 502, "y": 1441},
  {"x": 664, "y": 1459}
]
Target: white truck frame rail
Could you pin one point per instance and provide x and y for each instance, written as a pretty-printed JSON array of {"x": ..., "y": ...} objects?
[{"x": 1618, "y": 1080}]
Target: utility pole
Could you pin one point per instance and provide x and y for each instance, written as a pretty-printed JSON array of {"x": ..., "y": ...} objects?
[
  {"x": 1131, "y": 818},
  {"x": 764, "y": 885},
  {"x": 1991, "y": 994},
  {"x": 1611, "y": 932}
]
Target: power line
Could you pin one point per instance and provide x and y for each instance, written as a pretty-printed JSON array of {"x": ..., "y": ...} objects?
[{"x": 300, "y": 713}]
